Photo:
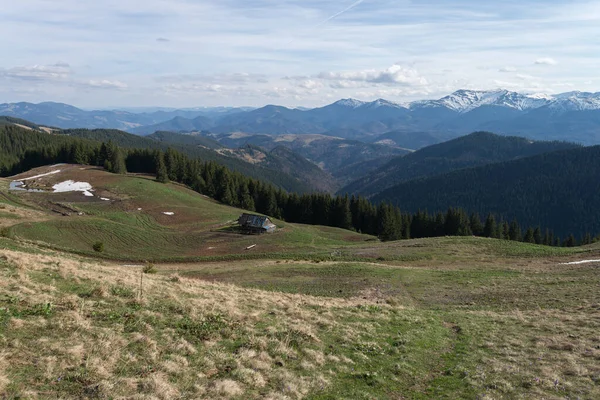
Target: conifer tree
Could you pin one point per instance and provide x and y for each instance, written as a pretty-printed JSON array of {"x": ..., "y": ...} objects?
[
  {"x": 117, "y": 161},
  {"x": 161, "y": 170},
  {"x": 537, "y": 236},
  {"x": 489, "y": 230},
  {"x": 505, "y": 230},
  {"x": 476, "y": 226},
  {"x": 529, "y": 236},
  {"x": 514, "y": 232},
  {"x": 570, "y": 241},
  {"x": 246, "y": 201}
]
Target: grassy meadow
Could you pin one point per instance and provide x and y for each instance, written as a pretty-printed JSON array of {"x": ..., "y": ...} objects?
[{"x": 312, "y": 313}]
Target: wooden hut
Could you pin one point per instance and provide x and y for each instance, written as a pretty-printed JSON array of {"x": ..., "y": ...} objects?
[{"x": 255, "y": 224}]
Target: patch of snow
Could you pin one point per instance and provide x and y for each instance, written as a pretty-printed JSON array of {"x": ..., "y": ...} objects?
[
  {"x": 72, "y": 186},
  {"x": 104, "y": 198},
  {"x": 581, "y": 262},
  {"x": 168, "y": 213},
  {"x": 40, "y": 175}
]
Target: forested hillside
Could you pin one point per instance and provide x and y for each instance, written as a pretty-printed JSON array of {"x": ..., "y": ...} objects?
[
  {"x": 473, "y": 150},
  {"x": 127, "y": 140},
  {"x": 32, "y": 149},
  {"x": 559, "y": 190},
  {"x": 187, "y": 140}
]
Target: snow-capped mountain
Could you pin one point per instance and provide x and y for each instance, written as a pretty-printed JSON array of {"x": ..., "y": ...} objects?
[
  {"x": 573, "y": 116},
  {"x": 463, "y": 101},
  {"x": 576, "y": 101}
]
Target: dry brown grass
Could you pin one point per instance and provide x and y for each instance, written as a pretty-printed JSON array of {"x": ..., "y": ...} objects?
[{"x": 107, "y": 359}]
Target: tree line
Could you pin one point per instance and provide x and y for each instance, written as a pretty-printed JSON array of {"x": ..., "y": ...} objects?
[{"x": 356, "y": 213}]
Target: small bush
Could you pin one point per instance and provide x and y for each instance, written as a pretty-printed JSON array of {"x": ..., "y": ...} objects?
[
  {"x": 98, "y": 247},
  {"x": 149, "y": 269}
]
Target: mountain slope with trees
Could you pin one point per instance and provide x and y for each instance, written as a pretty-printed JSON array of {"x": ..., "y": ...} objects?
[
  {"x": 32, "y": 149},
  {"x": 559, "y": 190},
  {"x": 130, "y": 141},
  {"x": 343, "y": 158},
  {"x": 473, "y": 150}
]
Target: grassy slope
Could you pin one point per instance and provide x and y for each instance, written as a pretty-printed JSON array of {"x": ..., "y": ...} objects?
[
  {"x": 430, "y": 318},
  {"x": 198, "y": 228},
  {"x": 521, "y": 330}
]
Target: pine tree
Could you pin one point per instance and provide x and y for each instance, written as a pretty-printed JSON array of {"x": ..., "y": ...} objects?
[
  {"x": 514, "y": 232},
  {"x": 390, "y": 228},
  {"x": 537, "y": 235},
  {"x": 529, "y": 236},
  {"x": 246, "y": 201},
  {"x": 117, "y": 161},
  {"x": 341, "y": 216},
  {"x": 489, "y": 230},
  {"x": 161, "y": 169},
  {"x": 570, "y": 241},
  {"x": 476, "y": 226},
  {"x": 80, "y": 156},
  {"x": 505, "y": 230}
]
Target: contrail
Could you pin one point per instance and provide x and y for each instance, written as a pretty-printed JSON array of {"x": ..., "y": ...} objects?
[
  {"x": 350, "y": 7},
  {"x": 345, "y": 10}
]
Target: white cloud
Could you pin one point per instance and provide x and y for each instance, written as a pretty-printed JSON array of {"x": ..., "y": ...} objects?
[
  {"x": 106, "y": 84},
  {"x": 310, "y": 84},
  {"x": 58, "y": 71},
  {"x": 546, "y": 61},
  {"x": 396, "y": 75},
  {"x": 230, "y": 52}
]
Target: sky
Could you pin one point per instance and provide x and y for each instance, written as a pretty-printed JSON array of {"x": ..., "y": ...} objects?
[{"x": 192, "y": 53}]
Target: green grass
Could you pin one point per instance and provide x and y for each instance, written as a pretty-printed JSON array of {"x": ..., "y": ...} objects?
[
  {"x": 198, "y": 224},
  {"x": 337, "y": 314}
]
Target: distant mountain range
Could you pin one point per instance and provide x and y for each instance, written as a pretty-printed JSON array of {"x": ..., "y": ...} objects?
[
  {"x": 65, "y": 116},
  {"x": 573, "y": 116}
]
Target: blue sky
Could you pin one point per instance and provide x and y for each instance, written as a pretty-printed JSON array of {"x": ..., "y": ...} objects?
[{"x": 187, "y": 53}]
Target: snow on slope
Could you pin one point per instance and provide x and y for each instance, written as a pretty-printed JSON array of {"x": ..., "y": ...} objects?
[
  {"x": 576, "y": 101},
  {"x": 463, "y": 101}
]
